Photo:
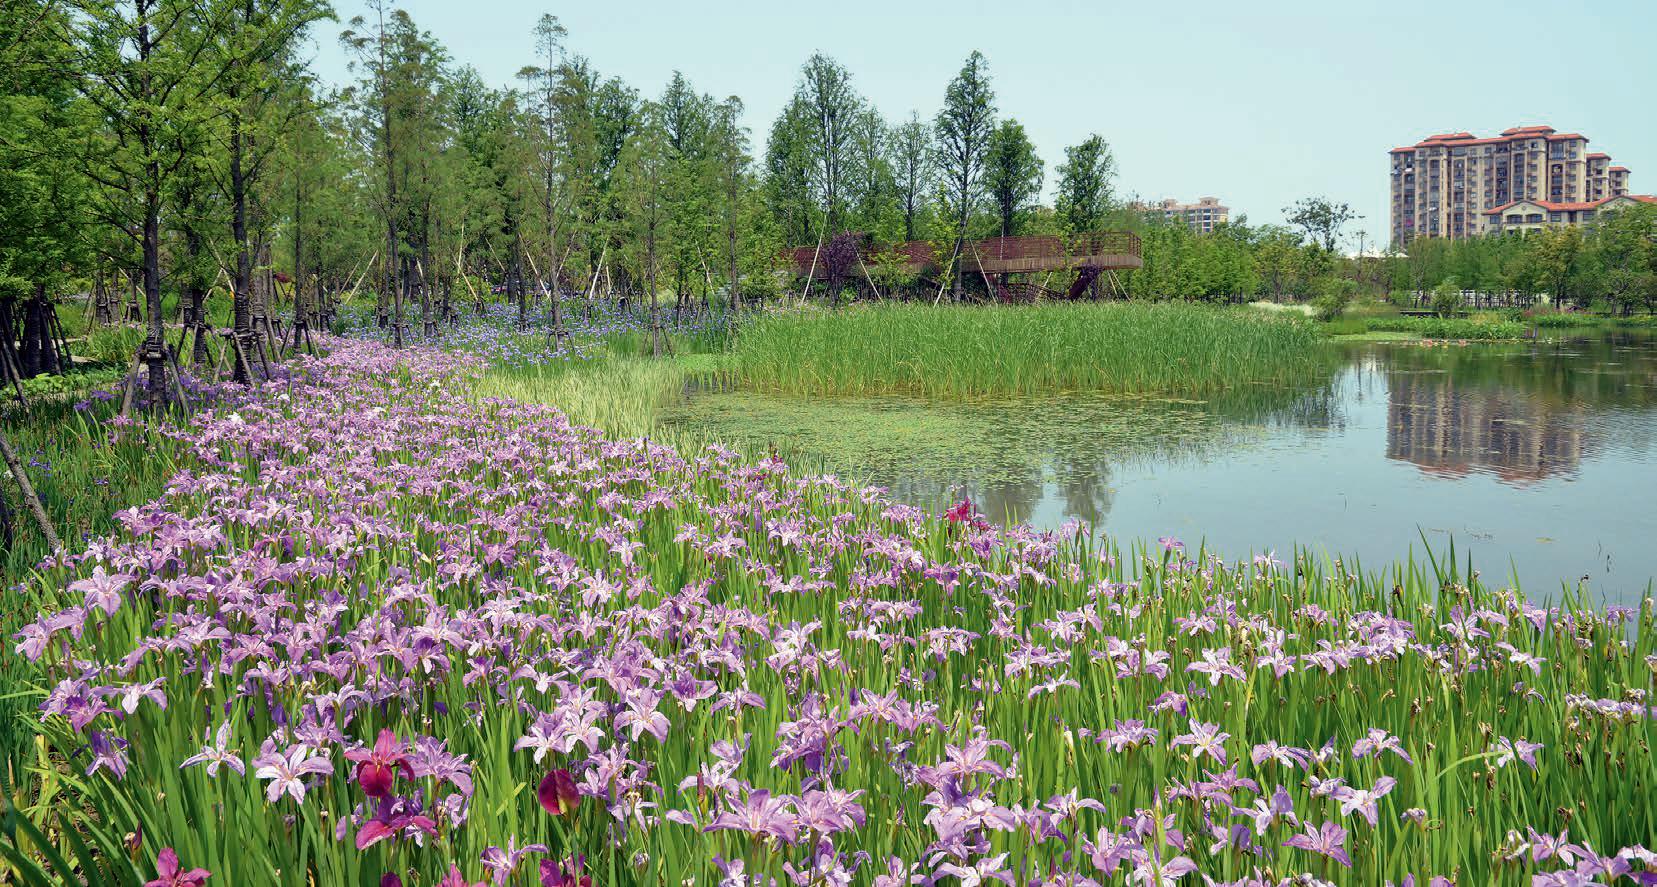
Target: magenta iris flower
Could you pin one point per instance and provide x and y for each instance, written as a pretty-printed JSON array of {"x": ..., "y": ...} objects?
[{"x": 168, "y": 872}]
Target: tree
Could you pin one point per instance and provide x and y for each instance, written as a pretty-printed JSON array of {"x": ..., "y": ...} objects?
[
  {"x": 1275, "y": 252},
  {"x": 544, "y": 81},
  {"x": 730, "y": 153},
  {"x": 644, "y": 169},
  {"x": 148, "y": 70},
  {"x": 1085, "y": 185},
  {"x": 911, "y": 146},
  {"x": 43, "y": 193},
  {"x": 962, "y": 133},
  {"x": 788, "y": 173},
  {"x": 1320, "y": 218},
  {"x": 872, "y": 186},
  {"x": 831, "y": 108},
  {"x": 1012, "y": 173},
  {"x": 399, "y": 124},
  {"x": 255, "y": 49},
  {"x": 1554, "y": 260}
]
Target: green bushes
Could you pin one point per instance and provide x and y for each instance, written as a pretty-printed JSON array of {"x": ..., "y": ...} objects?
[
  {"x": 1335, "y": 295},
  {"x": 1133, "y": 348}
]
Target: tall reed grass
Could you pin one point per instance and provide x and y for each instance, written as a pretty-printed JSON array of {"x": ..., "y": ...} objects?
[{"x": 1127, "y": 348}]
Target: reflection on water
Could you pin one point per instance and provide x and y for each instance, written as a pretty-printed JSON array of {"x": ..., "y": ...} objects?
[
  {"x": 1538, "y": 458},
  {"x": 1449, "y": 430}
]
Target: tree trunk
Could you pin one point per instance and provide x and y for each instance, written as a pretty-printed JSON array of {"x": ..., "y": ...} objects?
[
  {"x": 242, "y": 276},
  {"x": 39, "y": 353}
]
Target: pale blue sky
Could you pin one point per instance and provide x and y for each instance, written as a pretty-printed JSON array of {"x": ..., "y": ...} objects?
[{"x": 1257, "y": 103}]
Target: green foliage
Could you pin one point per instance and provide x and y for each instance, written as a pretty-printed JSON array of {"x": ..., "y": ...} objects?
[
  {"x": 1335, "y": 295},
  {"x": 1487, "y": 327},
  {"x": 1085, "y": 185},
  {"x": 963, "y": 128},
  {"x": 1447, "y": 300},
  {"x": 969, "y": 351},
  {"x": 1012, "y": 174},
  {"x": 1321, "y": 219}
]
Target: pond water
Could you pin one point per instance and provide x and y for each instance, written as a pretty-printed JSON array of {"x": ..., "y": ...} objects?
[{"x": 1537, "y": 459}]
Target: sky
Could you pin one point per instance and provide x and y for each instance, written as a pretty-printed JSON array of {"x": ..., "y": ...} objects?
[{"x": 1257, "y": 103}]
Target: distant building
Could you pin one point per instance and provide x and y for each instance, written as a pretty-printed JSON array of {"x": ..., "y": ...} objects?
[
  {"x": 1201, "y": 216},
  {"x": 1457, "y": 186},
  {"x": 1523, "y": 216}
]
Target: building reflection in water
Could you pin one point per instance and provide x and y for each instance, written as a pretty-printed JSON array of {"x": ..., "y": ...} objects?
[{"x": 1452, "y": 430}]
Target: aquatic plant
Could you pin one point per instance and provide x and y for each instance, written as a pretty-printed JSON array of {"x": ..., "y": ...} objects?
[
  {"x": 366, "y": 619},
  {"x": 1132, "y": 348},
  {"x": 1484, "y": 328}
]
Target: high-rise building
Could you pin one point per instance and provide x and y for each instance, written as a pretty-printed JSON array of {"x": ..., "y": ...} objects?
[
  {"x": 1201, "y": 216},
  {"x": 1457, "y": 185}
]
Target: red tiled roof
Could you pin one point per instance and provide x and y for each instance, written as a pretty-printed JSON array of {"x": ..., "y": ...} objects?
[
  {"x": 1406, "y": 149},
  {"x": 1567, "y": 136},
  {"x": 1516, "y": 130},
  {"x": 1570, "y": 207},
  {"x": 1599, "y": 154},
  {"x": 1619, "y": 169},
  {"x": 1443, "y": 136}
]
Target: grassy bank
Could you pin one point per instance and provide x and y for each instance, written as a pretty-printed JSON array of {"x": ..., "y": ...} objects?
[
  {"x": 1481, "y": 327},
  {"x": 737, "y": 663},
  {"x": 1127, "y": 348},
  {"x": 620, "y": 394}
]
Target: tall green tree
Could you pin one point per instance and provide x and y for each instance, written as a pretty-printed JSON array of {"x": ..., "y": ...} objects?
[
  {"x": 831, "y": 112},
  {"x": 1085, "y": 186},
  {"x": 912, "y": 170},
  {"x": 1320, "y": 218},
  {"x": 44, "y": 195},
  {"x": 644, "y": 170},
  {"x": 1012, "y": 174},
  {"x": 543, "y": 81},
  {"x": 962, "y": 132},
  {"x": 788, "y": 173},
  {"x": 149, "y": 69},
  {"x": 262, "y": 89}
]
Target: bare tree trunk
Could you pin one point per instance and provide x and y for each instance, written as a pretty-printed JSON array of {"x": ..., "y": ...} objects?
[{"x": 241, "y": 281}]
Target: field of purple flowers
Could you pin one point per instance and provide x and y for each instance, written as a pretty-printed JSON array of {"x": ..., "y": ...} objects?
[{"x": 377, "y": 633}]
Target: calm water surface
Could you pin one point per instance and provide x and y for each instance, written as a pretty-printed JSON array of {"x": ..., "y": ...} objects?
[{"x": 1538, "y": 459}]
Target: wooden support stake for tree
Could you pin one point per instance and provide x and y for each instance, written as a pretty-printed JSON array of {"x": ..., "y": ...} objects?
[
  {"x": 132, "y": 381},
  {"x": 178, "y": 378},
  {"x": 988, "y": 289},
  {"x": 943, "y": 279},
  {"x": 30, "y": 498},
  {"x": 866, "y": 276},
  {"x": 10, "y": 365},
  {"x": 813, "y": 271},
  {"x": 365, "y": 269}
]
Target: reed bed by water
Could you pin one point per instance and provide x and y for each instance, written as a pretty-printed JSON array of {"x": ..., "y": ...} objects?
[
  {"x": 372, "y": 632},
  {"x": 1485, "y": 327},
  {"x": 1126, "y": 348},
  {"x": 619, "y": 393}
]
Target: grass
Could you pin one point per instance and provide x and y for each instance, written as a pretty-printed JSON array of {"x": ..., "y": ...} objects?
[
  {"x": 430, "y": 486},
  {"x": 1574, "y": 320},
  {"x": 620, "y": 394},
  {"x": 1490, "y": 327},
  {"x": 1376, "y": 336},
  {"x": 952, "y": 352}
]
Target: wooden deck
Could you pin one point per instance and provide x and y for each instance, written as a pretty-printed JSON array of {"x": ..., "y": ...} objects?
[{"x": 1036, "y": 254}]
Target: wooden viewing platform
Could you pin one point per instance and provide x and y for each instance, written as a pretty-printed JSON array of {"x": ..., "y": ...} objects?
[{"x": 1034, "y": 254}]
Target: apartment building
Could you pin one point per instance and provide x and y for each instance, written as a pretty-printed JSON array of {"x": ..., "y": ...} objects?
[
  {"x": 1458, "y": 185},
  {"x": 1201, "y": 216}
]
